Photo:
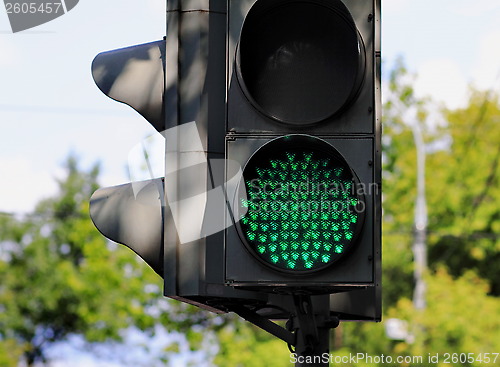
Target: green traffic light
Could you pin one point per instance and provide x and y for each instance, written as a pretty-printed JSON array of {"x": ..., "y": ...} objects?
[{"x": 302, "y": 207}]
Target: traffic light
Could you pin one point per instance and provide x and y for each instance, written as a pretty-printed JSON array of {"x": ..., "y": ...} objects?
[
  {"x": 303, "y": 120},
  {"x": 270, "y": 113}
]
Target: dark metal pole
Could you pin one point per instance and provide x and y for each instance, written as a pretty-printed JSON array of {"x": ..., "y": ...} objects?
[{"x": 312, "y": 327}]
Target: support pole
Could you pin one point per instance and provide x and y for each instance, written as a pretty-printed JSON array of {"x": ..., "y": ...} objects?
[
  {"x": 419, "y": 245},
  {"x": 312, "y": 324}
]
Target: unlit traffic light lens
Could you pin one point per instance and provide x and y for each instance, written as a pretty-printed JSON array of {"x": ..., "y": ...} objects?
[
  {"x": 303, "y": 209},
  {"x": 300, "y": 62}
]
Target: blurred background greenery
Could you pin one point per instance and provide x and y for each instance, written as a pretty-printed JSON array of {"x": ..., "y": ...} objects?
[{"x": 59, "y": 278}]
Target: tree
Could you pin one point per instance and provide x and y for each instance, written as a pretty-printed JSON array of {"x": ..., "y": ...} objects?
[
  {"x": 60, "y": 277},
  {"x": 243, "y": 344},
  {"x": 401, "y": 110},
  {"x": 465, "y": 222}
]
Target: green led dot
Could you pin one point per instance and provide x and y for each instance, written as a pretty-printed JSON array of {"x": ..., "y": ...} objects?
[{"x": 274, "y": 218}]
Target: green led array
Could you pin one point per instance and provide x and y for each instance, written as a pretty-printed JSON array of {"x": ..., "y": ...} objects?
[{"x": 300, "y": 210}]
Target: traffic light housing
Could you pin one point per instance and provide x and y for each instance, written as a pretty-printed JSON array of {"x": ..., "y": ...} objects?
[
  {"x": 303, "y": 120},
  {"x": 288, "y": 94},
  {"x": 177, "y": 84}
]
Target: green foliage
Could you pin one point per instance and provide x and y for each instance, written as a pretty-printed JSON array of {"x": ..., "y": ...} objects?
[
  {"x": 460, "y": 318},
  {"x": 465, "y": 216},
  {"x": 10, "y": 353},
  {"x": 452, "y": 323},
  {"x": 399, "y": 185},
  {"x": 244, "y": 345},
  {"x": 59, "y": 276}
]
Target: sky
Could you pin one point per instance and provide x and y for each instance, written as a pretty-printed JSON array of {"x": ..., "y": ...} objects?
[{"x": 50, "y": 106}]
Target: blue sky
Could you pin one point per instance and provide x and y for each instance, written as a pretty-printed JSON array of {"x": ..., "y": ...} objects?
[{"x": 50, "y": 106}]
